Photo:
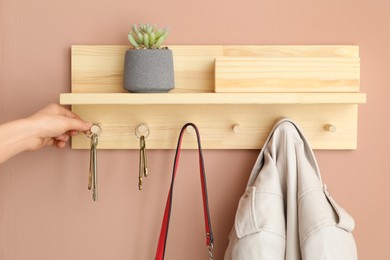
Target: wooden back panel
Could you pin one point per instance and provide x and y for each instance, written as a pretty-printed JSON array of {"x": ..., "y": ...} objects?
[{"x": 99, "y": 68}]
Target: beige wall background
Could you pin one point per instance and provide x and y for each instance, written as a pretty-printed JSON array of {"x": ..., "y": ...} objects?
[{"x": 46, "y": 211}]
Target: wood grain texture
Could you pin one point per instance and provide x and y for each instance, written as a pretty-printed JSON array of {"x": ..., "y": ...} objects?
[
  {"x": 285, "y": 51},
  {"x": 99, "y": 68},
  {"x": 210, "y": 98},
  {"x": 216, "y": 124},
  {"x": 293, "y": 74}
]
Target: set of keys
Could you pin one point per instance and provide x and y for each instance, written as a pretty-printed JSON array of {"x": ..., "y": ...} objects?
[
  {"x": 94, "y": 134},
  {"x": 142, "y": 132},
  {"x": 92, "y": 178}
]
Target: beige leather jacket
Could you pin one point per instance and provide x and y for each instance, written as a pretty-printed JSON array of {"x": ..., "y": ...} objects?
[{"x": 286, "y": 212}]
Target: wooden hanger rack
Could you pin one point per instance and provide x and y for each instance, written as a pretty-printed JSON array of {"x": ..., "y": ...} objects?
[{"x": 233, "y": 94}]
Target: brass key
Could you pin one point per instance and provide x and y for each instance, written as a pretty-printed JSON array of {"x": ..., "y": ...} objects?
[
  {"x": 143, "y": 146},
  {"x": 143, "y": 170},
  {"x": 90, "y": 167},
  {"x": 94, "y": 142}
]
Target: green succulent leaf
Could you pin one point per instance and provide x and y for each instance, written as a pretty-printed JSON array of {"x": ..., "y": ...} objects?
[
  {"x": 132, "y": 41},
  {"x": 161, "y": 39},
  {"x": 152, "y": 39},
  {"x": 135, "y": 29},
  {"x": 146, "y": 40},
  {"x": 141, "y": 26},
  {"x": 159, "y": 33},
  {"x": 149, "y": 29},
  {"x": 140, "y": 38}
]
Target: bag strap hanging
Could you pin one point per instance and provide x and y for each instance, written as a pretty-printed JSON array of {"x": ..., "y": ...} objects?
[{"x": 165, "y": 224}]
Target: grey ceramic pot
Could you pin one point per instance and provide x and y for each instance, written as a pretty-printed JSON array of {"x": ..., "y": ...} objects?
[{"x": 148, "y": 71}]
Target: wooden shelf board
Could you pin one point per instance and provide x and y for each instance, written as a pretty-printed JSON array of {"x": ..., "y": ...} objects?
[{"x": 210, "y": 98}]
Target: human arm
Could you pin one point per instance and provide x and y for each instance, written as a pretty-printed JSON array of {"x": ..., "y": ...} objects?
[{"x": 51, "y": 126}]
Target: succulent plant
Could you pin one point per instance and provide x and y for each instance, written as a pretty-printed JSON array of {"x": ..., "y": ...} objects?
[{"x": 147, "y": 36}]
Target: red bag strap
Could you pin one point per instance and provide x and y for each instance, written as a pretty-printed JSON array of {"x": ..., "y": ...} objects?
[{"x": 167, "y": 214}]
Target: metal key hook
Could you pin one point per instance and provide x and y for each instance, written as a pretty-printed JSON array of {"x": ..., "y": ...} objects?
[{"x": 142, "y": 130}]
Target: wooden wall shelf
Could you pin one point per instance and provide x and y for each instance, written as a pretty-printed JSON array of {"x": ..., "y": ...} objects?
[
  {"x": 316, "y": 86},
  {"x": 211, "y": 98}
]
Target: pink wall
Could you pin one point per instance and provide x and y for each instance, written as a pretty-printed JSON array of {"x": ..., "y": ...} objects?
[{"x": 46, "y": 211}]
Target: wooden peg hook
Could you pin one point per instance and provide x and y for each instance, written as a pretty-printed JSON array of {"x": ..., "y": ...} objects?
[
  {"x": 330, "y": 128},
  {"x": 236, "y": 128}
]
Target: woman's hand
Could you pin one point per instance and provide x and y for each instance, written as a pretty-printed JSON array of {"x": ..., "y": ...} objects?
[{"x": 51, "y": 126}]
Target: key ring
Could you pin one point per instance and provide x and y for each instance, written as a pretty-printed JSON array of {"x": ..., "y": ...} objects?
[{"x": 94, "y": 130}]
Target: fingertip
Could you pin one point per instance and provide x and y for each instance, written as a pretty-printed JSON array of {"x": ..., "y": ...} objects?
[
  {"x": 78, "y": 125},
  {"x": 89, "y": 125},
  {"x": 60, "y": 144}
]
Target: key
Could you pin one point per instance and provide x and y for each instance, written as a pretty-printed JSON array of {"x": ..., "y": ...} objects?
[
  {"x": 90, "y": 167},
  {"x": 143, "y": 170},
  {"x": 94, "y": 168},
  {"x": 145, "y": 167}
]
